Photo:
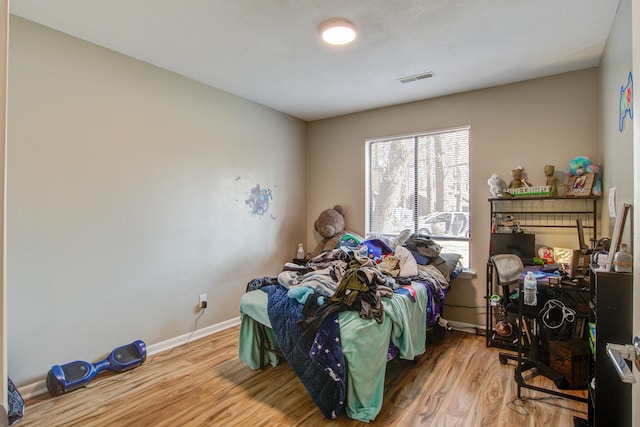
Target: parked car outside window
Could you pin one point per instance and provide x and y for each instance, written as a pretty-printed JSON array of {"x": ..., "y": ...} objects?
[{"x": 452, "y": 224}]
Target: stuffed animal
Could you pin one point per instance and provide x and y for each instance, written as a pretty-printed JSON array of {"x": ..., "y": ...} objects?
[
  {"x": 518, "y": 180},
  {"x": 495, "y": 185},
  {"x": 581, "y": 165},
  {"x": 330, "y": 225}
]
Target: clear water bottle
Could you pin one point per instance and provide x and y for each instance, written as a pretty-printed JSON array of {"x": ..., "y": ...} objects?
[
  {"x": 530, "y": 289},
  {"x": 300, "y": 252}
]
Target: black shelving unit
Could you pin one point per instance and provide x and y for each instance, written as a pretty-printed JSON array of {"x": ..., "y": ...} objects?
[
  {"x": 547, "y": 212},
  {"x": 611, "y": 296},
  {"x": 535, "y": 213}
]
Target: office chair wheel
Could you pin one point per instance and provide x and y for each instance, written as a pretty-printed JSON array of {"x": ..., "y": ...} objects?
[
  {"x": 561, "y": 383},
  {"x": 503, "y": 359}
]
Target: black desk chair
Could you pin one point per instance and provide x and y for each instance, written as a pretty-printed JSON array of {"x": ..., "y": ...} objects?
[
  {"x": 509, "y": 268},
  {"x": 533, "y": 358}
]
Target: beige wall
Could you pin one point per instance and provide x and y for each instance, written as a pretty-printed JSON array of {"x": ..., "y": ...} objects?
[
  {"x": 126, "y": 200},
  {"x": 616, "y": 146},
  {"x": 621, "y": 149},
  {"x": 538, "y": 122}
]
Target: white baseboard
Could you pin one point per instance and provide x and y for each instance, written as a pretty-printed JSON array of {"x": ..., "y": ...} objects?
[
  {"x": 40, "y": 387},
  {"x": 463, "y": 327},
  {"x": 183, "y": 339},
  {"x": 32, "y": 390}
]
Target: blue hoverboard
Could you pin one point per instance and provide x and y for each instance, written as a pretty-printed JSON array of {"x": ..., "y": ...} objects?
[{"x": 72, "y": 375}]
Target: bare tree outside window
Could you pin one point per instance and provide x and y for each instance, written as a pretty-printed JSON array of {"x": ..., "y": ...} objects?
[{"x": 421, "y": 182}]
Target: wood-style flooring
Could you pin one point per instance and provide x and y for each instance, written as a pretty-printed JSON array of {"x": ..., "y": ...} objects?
[{"x": 457, "y": 382}]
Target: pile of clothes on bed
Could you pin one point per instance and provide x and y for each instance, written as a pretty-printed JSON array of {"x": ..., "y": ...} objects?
[{"x": 364, "y": 278}]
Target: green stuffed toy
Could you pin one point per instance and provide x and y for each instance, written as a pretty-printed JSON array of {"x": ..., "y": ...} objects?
[{"x": 581, "y": 165}]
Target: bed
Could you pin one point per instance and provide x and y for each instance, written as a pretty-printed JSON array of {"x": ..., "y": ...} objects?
[{"x": 338, "y": 351}]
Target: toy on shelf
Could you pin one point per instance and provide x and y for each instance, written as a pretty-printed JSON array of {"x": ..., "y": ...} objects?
[
  {"x": 495, "y": 185},
  {"x": 552, "y": 179},
  {"x": 518, "y": 180},
  {"x": 584, "y": 178},
  {"x": 532, "y": 191}
]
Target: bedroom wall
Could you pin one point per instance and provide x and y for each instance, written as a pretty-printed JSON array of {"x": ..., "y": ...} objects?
[
  {"x": 617, "y": 146},
  {"x": 533, "y": 123},
  {"x": 621, "y": 149},
  {"x": 126, "y": 189}
]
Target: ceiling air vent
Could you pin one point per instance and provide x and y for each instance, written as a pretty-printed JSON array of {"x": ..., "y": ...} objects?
[{"x": 417, "y": 77}]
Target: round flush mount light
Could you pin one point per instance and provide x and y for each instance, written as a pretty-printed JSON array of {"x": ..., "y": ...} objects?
[{"x": 338, "y": 31}]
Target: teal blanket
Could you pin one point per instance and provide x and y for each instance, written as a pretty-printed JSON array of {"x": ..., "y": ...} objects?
[{"x": 364, "y": 344}]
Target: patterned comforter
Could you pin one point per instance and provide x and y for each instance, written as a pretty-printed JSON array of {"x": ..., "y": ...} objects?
[{"x": 319, "y": 363}]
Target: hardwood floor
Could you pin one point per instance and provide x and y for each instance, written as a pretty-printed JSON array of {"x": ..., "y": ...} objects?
[{"x": 457, "y": 382}]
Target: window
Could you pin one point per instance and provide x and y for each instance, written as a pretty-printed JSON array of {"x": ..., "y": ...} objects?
[{"x": 421, "y": 182}]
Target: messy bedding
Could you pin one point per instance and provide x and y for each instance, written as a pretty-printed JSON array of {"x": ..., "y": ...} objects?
[{"x": 340, "y": 317}]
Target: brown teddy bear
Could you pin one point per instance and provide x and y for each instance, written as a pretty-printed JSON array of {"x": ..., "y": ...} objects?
[{"x": 330, "y": 225}]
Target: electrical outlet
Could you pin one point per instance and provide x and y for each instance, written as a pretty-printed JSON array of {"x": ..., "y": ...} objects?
[{"x": 202, "y": 301}]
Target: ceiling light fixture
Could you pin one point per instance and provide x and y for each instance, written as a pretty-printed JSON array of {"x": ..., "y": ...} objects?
[{"x": 338, "y": 31}]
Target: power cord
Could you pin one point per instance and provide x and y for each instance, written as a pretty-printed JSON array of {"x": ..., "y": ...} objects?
[
  {"x": 523, "y": 405},
  {"x": 520, "y": 405},
  {"x": 165, "y": 354},
  {"x": 567, "y": 314},
  {"x": 195, "y": 323}
]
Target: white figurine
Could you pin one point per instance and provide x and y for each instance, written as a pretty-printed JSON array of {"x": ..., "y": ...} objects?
[{"x": 495, "y": 185}]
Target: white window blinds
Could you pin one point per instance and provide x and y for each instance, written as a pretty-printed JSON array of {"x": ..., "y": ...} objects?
[{"x": 420, "y": 182}]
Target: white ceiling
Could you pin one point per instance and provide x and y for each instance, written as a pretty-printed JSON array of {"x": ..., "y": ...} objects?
[{"x": 269, "y": 51}]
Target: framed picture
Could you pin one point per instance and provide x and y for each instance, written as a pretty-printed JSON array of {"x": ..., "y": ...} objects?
[{"x": 580, "y": 186}]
